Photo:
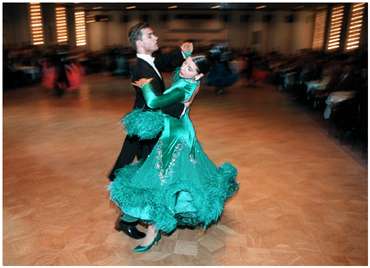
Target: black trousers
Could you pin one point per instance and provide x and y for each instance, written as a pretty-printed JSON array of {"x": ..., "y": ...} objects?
[{"x": 132, "y": 146}]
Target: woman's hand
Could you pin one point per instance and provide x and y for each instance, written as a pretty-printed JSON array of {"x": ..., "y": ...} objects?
[
  {"x": 141, "y": 82},
  {"x": 187, "y": 47}
]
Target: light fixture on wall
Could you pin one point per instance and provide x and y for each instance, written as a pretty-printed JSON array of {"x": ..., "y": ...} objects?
[
  {"x": 80, "y": 27},
  {"x": 99, "y": 7},
  {"x": 61, "y": 24},
  {"x": 36, "y": 24},
  {"x": 335, "y": 27},
  {"x": 355, "y": 26}
]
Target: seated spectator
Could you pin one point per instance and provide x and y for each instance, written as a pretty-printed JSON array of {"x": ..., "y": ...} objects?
[{"x": 347, "y": 80}]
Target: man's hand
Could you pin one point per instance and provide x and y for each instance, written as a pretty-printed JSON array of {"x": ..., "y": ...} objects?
[
  {"x": 141, "y": 82},
  {"x": 187, "y": 47},
  {"x": 188, "y": 103}
]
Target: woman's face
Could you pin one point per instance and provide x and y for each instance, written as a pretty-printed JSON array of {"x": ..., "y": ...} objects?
[{"x": 188, "y": 69}]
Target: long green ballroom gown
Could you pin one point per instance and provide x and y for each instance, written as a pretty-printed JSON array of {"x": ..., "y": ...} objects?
[{"x": 177, "y": 184}]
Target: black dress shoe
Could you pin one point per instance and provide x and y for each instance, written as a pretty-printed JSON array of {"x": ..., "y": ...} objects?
[{"x": 129, "y": 229}]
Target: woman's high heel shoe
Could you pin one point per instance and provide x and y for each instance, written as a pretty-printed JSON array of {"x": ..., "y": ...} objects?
[{"x": 142, "y": 249}]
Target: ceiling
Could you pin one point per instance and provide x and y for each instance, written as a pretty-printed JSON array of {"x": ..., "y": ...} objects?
[{"x": 203, "y": 6}]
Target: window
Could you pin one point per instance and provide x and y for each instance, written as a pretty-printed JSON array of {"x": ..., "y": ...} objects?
[
  {"x": 319, "y": 31},
  {"x": 355, "y": 26},
  {"x": 61, "y": 23},
  {"x": 80, "y": 27},
  {"x": 36, "y": 24},
  {"x": 335, "y": 27}
]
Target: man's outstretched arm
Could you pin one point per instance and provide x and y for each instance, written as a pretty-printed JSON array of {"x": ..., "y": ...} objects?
[{"x": 169, "y": 61}]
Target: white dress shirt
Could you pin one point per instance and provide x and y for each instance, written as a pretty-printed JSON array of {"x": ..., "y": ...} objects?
[{"x": 149, "y": 59}]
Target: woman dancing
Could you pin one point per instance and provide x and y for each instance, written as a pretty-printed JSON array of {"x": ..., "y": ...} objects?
[{"x": 177, "y": 185}]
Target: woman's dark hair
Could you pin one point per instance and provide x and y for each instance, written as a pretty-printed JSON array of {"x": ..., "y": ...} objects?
[{"x": 203, "y": 63}]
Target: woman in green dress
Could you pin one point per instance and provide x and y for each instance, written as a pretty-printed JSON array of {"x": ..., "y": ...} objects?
[{"x": 177, "y": 185}]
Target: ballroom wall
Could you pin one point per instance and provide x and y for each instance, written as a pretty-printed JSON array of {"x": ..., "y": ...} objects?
[
  {"x": 16, "y": 29},
  {"x": 258, "y": 30},
  {"x": 278, "y": 34}
]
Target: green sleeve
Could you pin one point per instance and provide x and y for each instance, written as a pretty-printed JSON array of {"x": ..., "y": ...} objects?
[
  {"x": 186, "y": 54},
  {"x": 176, "y": 75},
  {"x": 176, "y": 94}
]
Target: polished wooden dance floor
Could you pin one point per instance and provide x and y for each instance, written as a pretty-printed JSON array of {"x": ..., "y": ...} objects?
[{"x": 302, "y": 198}]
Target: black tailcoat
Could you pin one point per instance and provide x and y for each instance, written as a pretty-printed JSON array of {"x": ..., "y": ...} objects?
[{"x": 133, "y": 146}]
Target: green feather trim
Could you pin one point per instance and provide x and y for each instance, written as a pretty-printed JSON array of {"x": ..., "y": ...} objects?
[{"x": 144, "y": 124}]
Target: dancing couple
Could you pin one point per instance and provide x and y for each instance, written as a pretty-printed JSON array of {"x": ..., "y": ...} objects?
[{"x": 173, "y": 183}]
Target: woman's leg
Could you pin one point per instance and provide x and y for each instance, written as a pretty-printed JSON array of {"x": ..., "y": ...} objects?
[{"x": 150, "y": 235}]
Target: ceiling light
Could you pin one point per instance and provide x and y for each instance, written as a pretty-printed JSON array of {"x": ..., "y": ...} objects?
[
  {"x": 172, "y": 7},
  {"x": 130, "y": 7},
  {"x": 97, "y": 7},
  {"x": 218, "y": 6},
  {"x": 260, "y": 7}
]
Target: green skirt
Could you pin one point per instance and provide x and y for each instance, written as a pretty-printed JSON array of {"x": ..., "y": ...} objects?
[{"x": 190, "y": 190}]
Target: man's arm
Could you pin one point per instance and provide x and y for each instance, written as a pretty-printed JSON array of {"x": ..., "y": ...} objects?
[{"x": 169, "y": 61}]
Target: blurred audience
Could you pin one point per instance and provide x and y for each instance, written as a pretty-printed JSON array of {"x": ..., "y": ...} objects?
[
  {"x": 222, "y": 73},
  {"x": 333, "y": 84}
]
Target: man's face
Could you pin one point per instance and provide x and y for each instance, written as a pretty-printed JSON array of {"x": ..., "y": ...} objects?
[{"x": 148, "y": 40}]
